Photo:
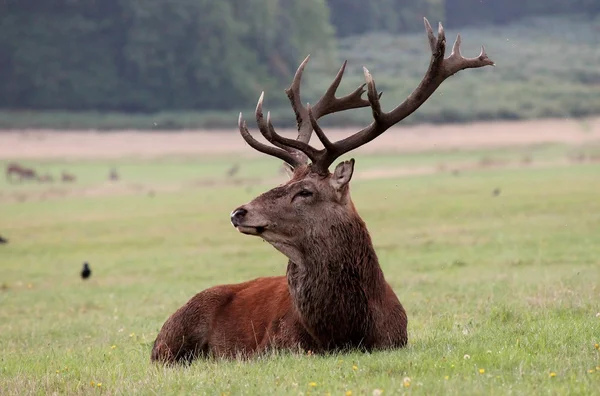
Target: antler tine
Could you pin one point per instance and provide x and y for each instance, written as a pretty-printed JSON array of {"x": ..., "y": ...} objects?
[
  {"x": 320, "y": 134},
  {"x": 268, "y": 131},
  {"x": 456, "y": 62},
  {"x": 440, "y": 69},
  {"x": 372, "y": 94},
  {"x": 299, "y": 148},
  {"x": 430, "y": 36},
  {"x": 293, "y": 94},
  {"x": 330, "y": 104},
  {"x": 456, "y": 46},
  {"x": 327, "y": 104},
  {"x": 263, "y": 148}
]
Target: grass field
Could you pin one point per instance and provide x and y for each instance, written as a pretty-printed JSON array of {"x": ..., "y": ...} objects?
[{"x": 502, "y": 291}]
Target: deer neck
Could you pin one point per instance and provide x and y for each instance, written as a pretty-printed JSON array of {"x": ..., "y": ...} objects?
[{"x": 333, "y": 282}]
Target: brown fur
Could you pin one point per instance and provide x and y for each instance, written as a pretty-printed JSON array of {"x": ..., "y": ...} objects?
[
  {"x": 21, "y": 172},
  {"x": 334, "y": 296}
]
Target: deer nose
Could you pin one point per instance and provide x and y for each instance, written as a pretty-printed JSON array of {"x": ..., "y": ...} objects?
[{"x": 237, "y": 216}]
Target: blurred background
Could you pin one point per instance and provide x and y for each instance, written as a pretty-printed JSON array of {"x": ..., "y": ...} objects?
[
  {"x": 155, "y": 64},
  {"x": 120, "y": 147}
]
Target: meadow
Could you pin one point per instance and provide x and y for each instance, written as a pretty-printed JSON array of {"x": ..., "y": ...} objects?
[{"x": 494, "y": 252}]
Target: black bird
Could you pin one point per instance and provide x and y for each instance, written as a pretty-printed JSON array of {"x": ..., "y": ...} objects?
[
  {"x": 2, "y": 240},
  {"x": 496, "y": 192},
  {"x": 86, "y": 271}
]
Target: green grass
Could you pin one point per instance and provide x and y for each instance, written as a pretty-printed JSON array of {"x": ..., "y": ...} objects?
[
  {"x": 545, "y": 67},
  {"x": 512, "y": 282}
]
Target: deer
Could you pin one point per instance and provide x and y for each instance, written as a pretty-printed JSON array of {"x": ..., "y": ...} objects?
[
  {"x": 113, "y": 175},
  {"x": 334, "y": 296},
  {"x": 46, "y": 178},
  {"x": 67, "y": 177},
  {"x": 20, "y": 171}
]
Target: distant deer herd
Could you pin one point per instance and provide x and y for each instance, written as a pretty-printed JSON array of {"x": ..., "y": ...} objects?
[
  {"x": 16, "y": 173},
  {"x": 19, "y": 173},
  {"x": 334, "y": 296}
]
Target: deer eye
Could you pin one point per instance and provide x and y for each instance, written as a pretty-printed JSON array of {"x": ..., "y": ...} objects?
[{"x": 303, "y": 193}]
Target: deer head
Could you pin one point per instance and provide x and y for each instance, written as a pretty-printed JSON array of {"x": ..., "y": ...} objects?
[{"x": 313, "y": 209}]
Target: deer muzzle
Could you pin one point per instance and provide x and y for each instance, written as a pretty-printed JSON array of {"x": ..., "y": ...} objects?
[
  {"x": 237, "y": 216},
  {"x": 240, "y": 221}
]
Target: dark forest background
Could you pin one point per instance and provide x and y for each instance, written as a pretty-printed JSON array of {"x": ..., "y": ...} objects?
[{"x": 68, "y": 61}]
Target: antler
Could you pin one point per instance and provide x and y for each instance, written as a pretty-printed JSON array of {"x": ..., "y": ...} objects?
[
  {"x": 440, "y": 69},
  {"x": 294, "y": 154}
]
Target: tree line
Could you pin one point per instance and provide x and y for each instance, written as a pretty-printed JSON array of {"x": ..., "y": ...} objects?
[{"x": 150, "y": 55}]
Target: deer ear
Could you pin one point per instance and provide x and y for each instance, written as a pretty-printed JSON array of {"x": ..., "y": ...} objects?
[
  {"x": 342, "y": 174},
  {"x": 289, "y": 170}
]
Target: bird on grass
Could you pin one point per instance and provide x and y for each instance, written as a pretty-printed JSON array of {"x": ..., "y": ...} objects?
[
  {"x": 3, "y": 240},
  {"x": 233, "y": 170},
  {"x": 86, "y": 272}
]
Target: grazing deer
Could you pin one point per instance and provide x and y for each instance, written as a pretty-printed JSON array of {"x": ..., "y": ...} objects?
[
  {"x": 68, "y": 177},
  {"x": 113, "y": 175},
  {"x": 47, "y": 178},
  {"x": 21, "y": 173},
  {"x": 334, "y": 296}
]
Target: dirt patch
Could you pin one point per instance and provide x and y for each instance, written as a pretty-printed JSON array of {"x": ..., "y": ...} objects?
[{"x": 47, "y": 144}]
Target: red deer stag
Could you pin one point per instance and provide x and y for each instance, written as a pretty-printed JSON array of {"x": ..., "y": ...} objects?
[
  {"x": 334, "y": 295},
  {"x": 21, "y": 172}
]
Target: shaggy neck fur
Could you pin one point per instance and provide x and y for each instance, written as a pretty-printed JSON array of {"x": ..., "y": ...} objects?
[{"x": 334, "y": 283}]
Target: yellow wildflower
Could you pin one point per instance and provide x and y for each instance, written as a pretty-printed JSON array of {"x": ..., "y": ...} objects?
[
  {"x": 99, "y": 384},
  {"x": 348, "y": 393},
  {"x": 552, "y": 374},
  {"x": 354, "y": 367},
  {"x": 406, "y": 382},
  {"x": 92, "y": 383},
  {"x": 596, "y": 346},
  {"x": 113, "y": 347},
  {"x": 591, "y": 371},
  {"x": 57, "y": 371},
  {"x": 312, "y": 384},
  {"x": 446, "y": 377},
  {"x": 481, "y": 371},
  {"x": 132, "y": 335}
]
